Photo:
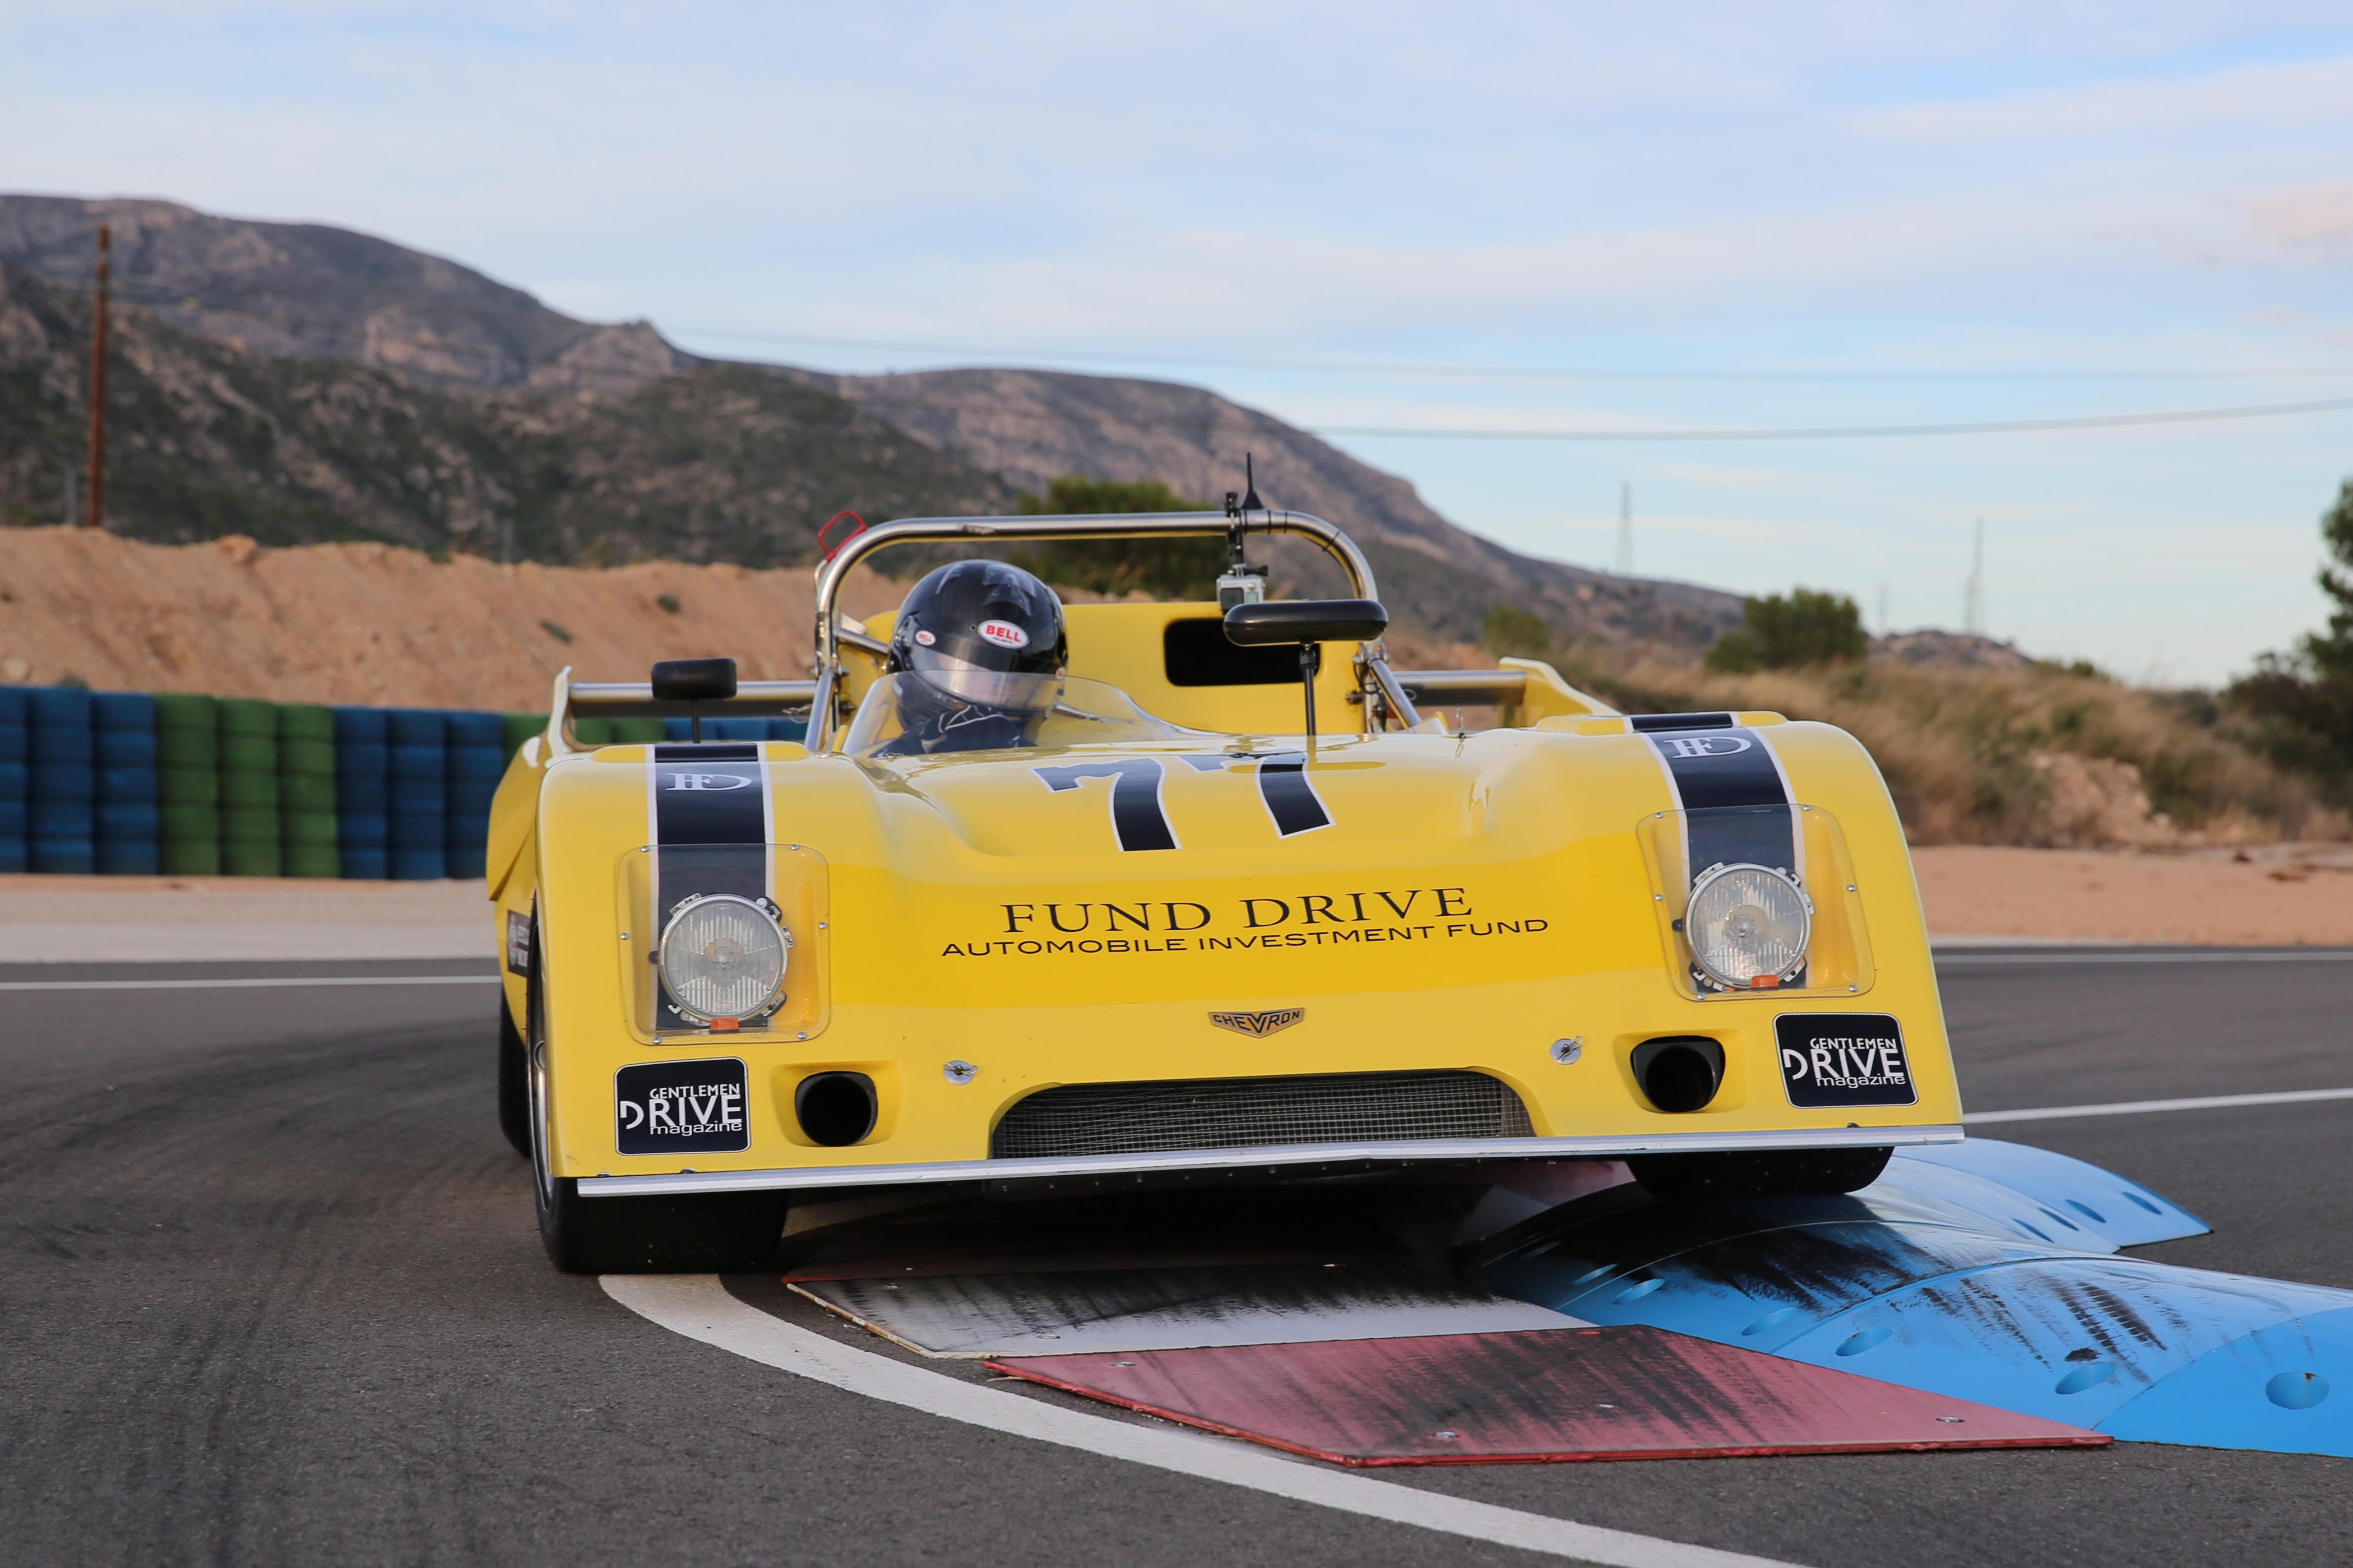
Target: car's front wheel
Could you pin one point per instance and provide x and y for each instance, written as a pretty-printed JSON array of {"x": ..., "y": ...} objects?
[
  {"x": 702, "y": 1232},
  {"x": 1750, "y": 1172},
  {"x": 515, "y": 1087}
]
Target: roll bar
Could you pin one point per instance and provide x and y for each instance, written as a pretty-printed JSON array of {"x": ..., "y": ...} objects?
[{"x": 1378, "y": 686}]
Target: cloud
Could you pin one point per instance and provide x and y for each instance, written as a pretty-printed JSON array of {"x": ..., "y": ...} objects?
[{"x": 2314, "y": 219}]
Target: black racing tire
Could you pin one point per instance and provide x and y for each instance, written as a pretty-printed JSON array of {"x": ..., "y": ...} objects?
[
  {"x": 1696, "y": 1178},
  {"x": 514, "y": 1084},
  {"x": 701, "y": 1233}
]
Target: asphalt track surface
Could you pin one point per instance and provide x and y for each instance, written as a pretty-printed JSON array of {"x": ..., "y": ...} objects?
[{"x": 273, "y": 1294}]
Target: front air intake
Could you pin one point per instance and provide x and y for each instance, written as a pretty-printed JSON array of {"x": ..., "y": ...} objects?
[{"x": 1247, "y": 1113}]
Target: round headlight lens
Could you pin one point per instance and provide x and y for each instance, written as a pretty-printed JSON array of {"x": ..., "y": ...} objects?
[
  {"x": 1744, "y": 921},
  {"x": 723, "y": 957}
]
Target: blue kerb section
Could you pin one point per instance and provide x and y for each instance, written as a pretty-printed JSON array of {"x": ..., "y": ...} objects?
[{"x": 1935, "y": 1278}]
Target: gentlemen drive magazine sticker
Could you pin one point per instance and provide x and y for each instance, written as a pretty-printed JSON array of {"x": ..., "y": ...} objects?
[
  {"x": 1833, "y": 1059},
  {"x": 681, "y": 1108}
]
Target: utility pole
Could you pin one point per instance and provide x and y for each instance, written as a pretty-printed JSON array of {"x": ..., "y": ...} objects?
[
  {"x": 98, "y": 382},
  {"x": 1625, "y": 531},
  {"x": 1973, "y": 605},
  {"x": 1886, "y": 627}
]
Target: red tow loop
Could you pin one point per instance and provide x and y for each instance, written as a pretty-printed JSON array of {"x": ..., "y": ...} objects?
[{"x": 835, "y": 548}]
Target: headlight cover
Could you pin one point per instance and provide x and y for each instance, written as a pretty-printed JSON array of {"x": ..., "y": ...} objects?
[
  {"x": 723, "y": 957},
  {"x": 1745, "y": 921}
]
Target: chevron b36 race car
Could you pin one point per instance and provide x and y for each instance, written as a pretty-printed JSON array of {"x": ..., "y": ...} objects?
[{"x": 1051, "y": 898}]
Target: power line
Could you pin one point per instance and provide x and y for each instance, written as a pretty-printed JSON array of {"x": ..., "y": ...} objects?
[
  {"x": 1853, "y": 432},
  {"x": 1043, "y": 357},
  {"x": 1004, "y": 410}
]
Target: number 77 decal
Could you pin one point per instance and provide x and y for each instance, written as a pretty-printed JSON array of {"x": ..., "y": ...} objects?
[
  {"x": 1282, "y": 783},
  {"x": 1137, "y": 815}
]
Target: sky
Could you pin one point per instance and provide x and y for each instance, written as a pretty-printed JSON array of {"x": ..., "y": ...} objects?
[{"x": 1413, "y": 226}]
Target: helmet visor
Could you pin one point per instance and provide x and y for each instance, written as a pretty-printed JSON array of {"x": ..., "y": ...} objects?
[{"x": 1020, "y": 692}]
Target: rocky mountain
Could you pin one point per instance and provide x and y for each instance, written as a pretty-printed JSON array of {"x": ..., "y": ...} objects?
[
  {"x": 205, "y": 439},
  {"x": 300, "y": 382},
  {"x": 1030, "y": 426}
]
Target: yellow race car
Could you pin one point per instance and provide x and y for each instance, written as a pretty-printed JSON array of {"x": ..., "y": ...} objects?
[{"x": 1115, "y": 894}]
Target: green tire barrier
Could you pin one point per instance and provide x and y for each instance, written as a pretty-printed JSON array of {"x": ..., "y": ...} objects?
[
  {"x": 522, "y": 727},
  {"x": 249, "y": 843},
  {"x": 251, "y": 788},
  {"x": 187, "y": 781},
  {"x": 306, "y": 791}
]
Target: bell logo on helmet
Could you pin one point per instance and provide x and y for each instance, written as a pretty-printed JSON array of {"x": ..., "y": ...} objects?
[
  {"x": 927, "y": 639},
  {"x": 1004, "y": 634}
]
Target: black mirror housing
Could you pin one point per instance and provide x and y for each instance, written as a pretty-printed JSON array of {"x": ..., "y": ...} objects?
[
  {"x": 694, "y": 680},
  {"x": 1281, "y": 621}
]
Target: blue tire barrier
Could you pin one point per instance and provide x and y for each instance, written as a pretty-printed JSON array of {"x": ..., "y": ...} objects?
[
  {"x": 127, "y": 784},
  {"x": 63, "y": 857},
  {"x": 362, "y": 726},
  {"x": 14, "y": 817},
  {"x": 419, "y": 763},
  {"x": 60, "y": 818},
  {"x": 416, "y": 727},
  {"x": 127, "y": 857},
  {"x": 124, "y": 748},
  {"x": 63, "y": 705},
  {"x": 369, "y": 831},
  {"x": 62, "y": 781},
  {"x": 419, "y": 830},
  {"x": 132, "y": 711},
  {"x": 418, "y": 797},
  {"x": 419, "y": 865},
  {"x": 127, "y": 819},
  {"x": 16, "y": 743},
  {"x": 363, "y": 794},
  {"x": 369, "y": 865},
  {"x": 481, "y": 765},
  {"x": 16, "y": 781},
  {"x": 63, "y": 743},
  {"x": 15, "y": 705},
  {"x": 467, "y": 728},
  {"x": 464, "y": 845},
  {"x": 12, "y": 855}
]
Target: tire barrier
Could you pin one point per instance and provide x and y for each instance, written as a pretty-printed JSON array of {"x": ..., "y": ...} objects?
[
  {"x": 61, "y": 802},
  {"x": 128, "y": 841},
  {"x": 187, "y": 783},
  {"x": 307, "y": 828},
  {"x": 15, "y": 775},
  {"x": 478, "y": 758},
  {"x": 419, "y": 794},
  {"x": 130, "y": 783},
  {"x": 363, "y": 793},
  {"x": 250, "y": 830}
]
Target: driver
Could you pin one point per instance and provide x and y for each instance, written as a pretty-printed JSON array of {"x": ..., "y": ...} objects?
[{"x": 979, "y": 653}]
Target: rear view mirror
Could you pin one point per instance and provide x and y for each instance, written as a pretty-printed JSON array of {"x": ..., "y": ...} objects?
[
  {"x": 1309, "y": 623},
  {"x": 1305, "y": 621},
  {"x": 694, "y": 681}
]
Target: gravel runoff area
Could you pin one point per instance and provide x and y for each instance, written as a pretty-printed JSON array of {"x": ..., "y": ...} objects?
[{"x": 2281, "y": 896}]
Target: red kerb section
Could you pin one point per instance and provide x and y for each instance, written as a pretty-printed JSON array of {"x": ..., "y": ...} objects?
[{"x": 1550, "y": 1395}]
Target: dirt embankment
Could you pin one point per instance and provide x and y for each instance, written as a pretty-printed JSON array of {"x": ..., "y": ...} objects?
[{"x": 375, "y": 624}]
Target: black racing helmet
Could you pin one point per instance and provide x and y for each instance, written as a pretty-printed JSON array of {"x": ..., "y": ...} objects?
[{"x": 982, "y": 634}]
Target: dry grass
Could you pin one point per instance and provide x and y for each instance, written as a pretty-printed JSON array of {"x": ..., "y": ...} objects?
[{"x": 2034, "y": 756}]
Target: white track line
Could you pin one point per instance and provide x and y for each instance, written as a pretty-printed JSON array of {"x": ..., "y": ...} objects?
[
  {"x": 2203, "y": 955},
  {"x": 699, "y": 1306},
  {"x": 251, "y": 984},
  {"x": 2142, "y": 1107}
]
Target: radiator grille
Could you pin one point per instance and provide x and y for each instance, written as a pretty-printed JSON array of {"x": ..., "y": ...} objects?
[{"x": 1243, "y": 1112}]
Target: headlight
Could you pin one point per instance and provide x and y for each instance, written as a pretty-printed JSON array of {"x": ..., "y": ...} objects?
[
  {"x": 723, "y": 957},
  {"x": 1744, "y": 921}
]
